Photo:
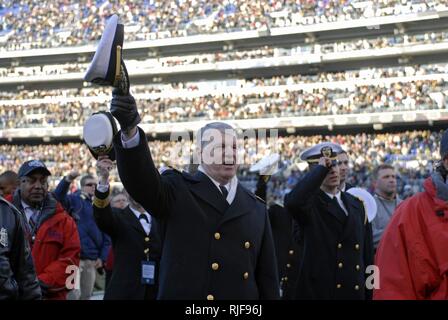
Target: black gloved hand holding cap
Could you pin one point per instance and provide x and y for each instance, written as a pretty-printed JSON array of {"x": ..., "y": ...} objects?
[{"x": 124, "y": 109}]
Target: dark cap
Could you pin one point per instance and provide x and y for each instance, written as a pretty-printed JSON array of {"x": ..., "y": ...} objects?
[
  {"x": 444, "y": 145},
  {"x": 31, "y": 166}
]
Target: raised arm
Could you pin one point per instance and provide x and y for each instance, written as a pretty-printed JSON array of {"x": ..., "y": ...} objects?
[
  {"x": 102, "y": 210},
  {"x": 60, "y": 193},
  {"x": 136, "y": 168},
  {"x": 300, "y": 196}
]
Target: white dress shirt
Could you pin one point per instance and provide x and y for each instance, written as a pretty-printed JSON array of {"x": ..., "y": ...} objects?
[
  {"x": 132, "y": 142},
  {"x": 146, "y": 226},
  {"x": 28, "y": 211},
  {"x": 231, "y": 186},
  {"x": 338, "y": 198}
]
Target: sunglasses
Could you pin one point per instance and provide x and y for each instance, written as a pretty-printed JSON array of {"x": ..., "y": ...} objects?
[{"x": 90, "y": 184}]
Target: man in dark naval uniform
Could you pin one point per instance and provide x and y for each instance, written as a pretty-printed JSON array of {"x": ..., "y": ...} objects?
[
  {"x": 217, "y": 239},
  {"x": 287, "y": 240},
  {"x": 135, "y": 239},
  {"x": 337, "y": 239}
]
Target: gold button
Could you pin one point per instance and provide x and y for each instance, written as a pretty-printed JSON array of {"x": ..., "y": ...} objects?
[
  {"x": 357, "y": 246},
  {"x": 339, "y": 286},
  {"x": 285, "y": 279},
  {"x": 146, "y": 251},
  {"x": 339, "y": 245},
  {"x": 245, "y": 275},
  {"x": 340, "y": 265},
  {"x": 147, "y": 239},
  {"x": 358, "y": 267},
  {"x": 210, "y": 297},
  {"x": 291, "y": 252},
  {"x": 215, "y": 266},
  {"x": 356, "y": 287},
  {"x": 217, "y": 236},
  {"x": 288, "y": 265},
  {"x": 247, "y": 245}
]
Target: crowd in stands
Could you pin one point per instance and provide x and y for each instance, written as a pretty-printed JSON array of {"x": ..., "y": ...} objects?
[
  {"x": 29, "y": 24},
  {"x": 411, "y": 152},
  {"x": 276, "y": 100},
  {"x": 173, "y": 88},
  {"x": 237, "y": 55}
]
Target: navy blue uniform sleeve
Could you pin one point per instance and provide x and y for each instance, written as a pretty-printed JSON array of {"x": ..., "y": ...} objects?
[
  {"x": 141, "y": 178},
  {"x": 104, "y": 217},
  {"x": 297, "y": 201}
]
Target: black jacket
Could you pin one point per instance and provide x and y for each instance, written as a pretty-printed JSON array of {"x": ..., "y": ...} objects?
[
  {"x": 287, "y": 241},
  {"x": 18, "y": 279},
  {"x": 129, "y": 241},
  {"x": 336, "y": 248},
  {"x": 210, "y": 250}
]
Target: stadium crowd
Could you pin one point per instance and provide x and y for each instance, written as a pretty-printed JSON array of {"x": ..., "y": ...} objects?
[
  {"x": 237, "y": 55},
  {"x": 277, "y": 99},
  {"x": 411, "y": 152},
  {"x": 29, "y": 24}
]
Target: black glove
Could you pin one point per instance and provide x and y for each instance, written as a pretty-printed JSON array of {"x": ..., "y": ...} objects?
[{"x": 124, "y": 109}]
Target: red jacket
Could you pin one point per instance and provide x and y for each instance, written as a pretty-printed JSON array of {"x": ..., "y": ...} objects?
[
  {"x": 56, "y": 247},
  {"x": 412, "y": 256}
]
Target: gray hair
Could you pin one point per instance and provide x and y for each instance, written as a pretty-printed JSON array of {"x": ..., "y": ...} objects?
[{"x": 219, "y": 126}]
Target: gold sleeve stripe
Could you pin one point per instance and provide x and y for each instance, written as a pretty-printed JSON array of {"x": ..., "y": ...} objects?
[{"x": 101, "y": 203}]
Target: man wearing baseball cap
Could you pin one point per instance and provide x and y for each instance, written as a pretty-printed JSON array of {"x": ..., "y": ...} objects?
[
  {"x": 337, "y": 238},
  {"x": 412, "y": 257},
  {"x": 51, "y": 232}
]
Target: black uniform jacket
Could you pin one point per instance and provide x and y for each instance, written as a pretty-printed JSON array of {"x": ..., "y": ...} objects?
[
  {"x": 336, "y": 248},
  {"x": 131, "y": 246},
  {"x": 211, "y": 250}
]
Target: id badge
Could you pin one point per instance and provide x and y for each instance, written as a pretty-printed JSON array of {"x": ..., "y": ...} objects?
[{"x": 148, "y": 272}]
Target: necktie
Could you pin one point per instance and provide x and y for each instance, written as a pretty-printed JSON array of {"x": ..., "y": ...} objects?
[
  {"x": 33, "y": 219},
  {"x": 143, "y": 217},
  {"x": 341, "y": 211},
  {"x": 224, "y": 191}
]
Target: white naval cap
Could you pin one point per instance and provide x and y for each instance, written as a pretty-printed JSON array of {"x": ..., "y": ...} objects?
[
  {"x": 268, "y": 165},
  {"x": 367, "y": 199},
  {"x": 98, "y": 133},
  {"x": 324, "y": 149},
  {"x": 105, "y": 66}
]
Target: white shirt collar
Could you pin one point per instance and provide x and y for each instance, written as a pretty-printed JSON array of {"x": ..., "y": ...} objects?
[
  {"x": 29, "y": 210},
  {"x": 231, "y": 186},
  {"x": 25, "y": 205},
  {"x": 337, "y": 195},
  {"x": 339, "y": 199},
  {"x": 138, "y": 213},
  {"x": 146, "y": 226}
]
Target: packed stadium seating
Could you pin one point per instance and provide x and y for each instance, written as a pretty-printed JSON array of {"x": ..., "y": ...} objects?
[
  {"x": 411, "y": 152},
  {"x": 30, "y": 24},
  {"x": 406, "y": 84}
]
